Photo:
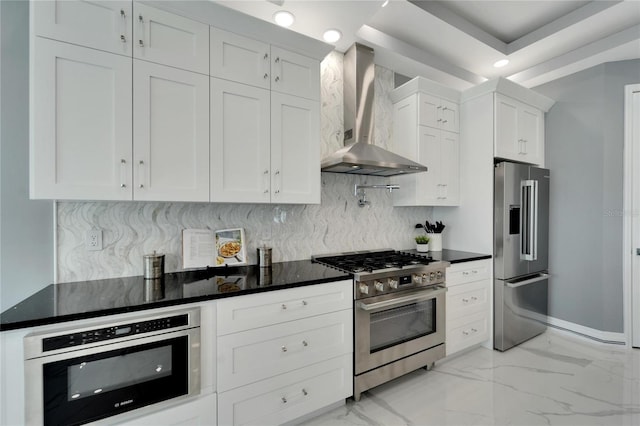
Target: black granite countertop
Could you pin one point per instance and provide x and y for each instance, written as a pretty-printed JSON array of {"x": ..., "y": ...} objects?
[
  {"x": 452, "y": 256},
  {"x": 87, "y": 299}
]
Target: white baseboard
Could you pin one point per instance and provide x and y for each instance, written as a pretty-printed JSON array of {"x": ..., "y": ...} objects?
[{"x": 590, "y": 333}]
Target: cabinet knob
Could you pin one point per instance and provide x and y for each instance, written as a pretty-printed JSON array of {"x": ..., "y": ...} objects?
[
  {"x": 284, "y": 400},
  {"x": 141, "y": 43},
  {"x": 122, "y": 185},
  {"x": 266, "y": 76},
  {"x": 123, "y": 38},
  {"x": 122, "y": 14},
  {"x": 284, "y": 307},
  {"x": 304, "y": 392},
  {"x": 304, "y": 343},
  {"x": 140, "y": 19},
  {"x": 304, "y": 303},
  {"x": 266, "y": 56},
  {"x": 277, "y": 191},
  {"x": 277, "y": 79},
  {"x": 465, "y": 300},
  {"x": 284, "y": 349},
  {"x": 266, "y": 191},
  {"x": 277, "y": 60}
]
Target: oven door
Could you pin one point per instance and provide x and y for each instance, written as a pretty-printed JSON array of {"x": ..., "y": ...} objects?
[
  {"x": 81, "y": 386},
  {"x": 393, "y": 326}
]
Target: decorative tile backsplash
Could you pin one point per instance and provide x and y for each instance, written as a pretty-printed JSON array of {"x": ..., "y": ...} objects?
[{"x": 132, "y": 229}]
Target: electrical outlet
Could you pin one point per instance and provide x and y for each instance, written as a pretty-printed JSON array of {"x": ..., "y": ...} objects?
[{"x": 94, "y": 240}]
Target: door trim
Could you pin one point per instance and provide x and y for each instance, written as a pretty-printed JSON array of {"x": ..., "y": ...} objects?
[{"x": 631, "y": 296}]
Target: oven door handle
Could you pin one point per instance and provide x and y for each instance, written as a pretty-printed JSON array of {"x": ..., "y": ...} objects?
[{"x": 416, "y": 296}]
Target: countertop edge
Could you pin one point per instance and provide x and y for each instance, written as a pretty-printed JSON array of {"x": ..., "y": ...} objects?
[{"x": 160, "y": 304}]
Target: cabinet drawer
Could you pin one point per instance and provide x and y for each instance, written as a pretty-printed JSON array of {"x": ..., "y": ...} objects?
[
  {"x": 466, "y": 272},
  {"x": 467, "y": 331},
  {"x": 199, "y": 412},
  {"x": 257, "y": 354},
  {"x": 259, "y": 310},
  {"x": 466, "y": 299},
  {"x": 288, "y": 396}
]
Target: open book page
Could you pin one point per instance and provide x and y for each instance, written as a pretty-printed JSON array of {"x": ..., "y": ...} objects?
[{"x": 198, "y": 248}]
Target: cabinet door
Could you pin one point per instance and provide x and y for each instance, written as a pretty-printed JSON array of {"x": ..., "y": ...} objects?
[
  {"x": 240, "y": 152},
  {"x": 80, "y": 123},
  {"x": 429, "y": 154},
  {"x": 103, "y": 25},
  {"x": 449, "y": 116},
  {"x": 429, "y": 110},
  {"x": 169, "y": 39},
  {"x": 295, "y": 74},
  {"x": 449, "y": 169},
  {"x": 530, "y": 127},
  {"x": 506, "y": 125},
  {"x": 171, "y": 139},
  {"x": 240, "y": 59},
  {"x": 295, "y": 150}
]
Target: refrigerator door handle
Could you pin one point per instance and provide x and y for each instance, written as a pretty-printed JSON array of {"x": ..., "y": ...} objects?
[
  {"x": 529, "y": 220},
  {"x": 517, "y": 284}
]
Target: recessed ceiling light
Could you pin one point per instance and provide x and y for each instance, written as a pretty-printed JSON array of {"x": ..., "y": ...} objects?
[
  {"x": 284, "y": 18},
  {"x": 501, "y": 63},
  {"x": 332, "y": 35}
]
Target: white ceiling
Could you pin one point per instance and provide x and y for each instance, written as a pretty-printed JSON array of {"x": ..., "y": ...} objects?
[{"x": 456, "y": 42}]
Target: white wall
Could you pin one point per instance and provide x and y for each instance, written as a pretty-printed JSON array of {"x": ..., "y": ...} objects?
[
  {"x": 584, "y": 150},
  {"x": 26, "y": 227}
]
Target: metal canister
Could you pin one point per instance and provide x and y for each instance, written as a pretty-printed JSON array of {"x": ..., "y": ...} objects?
[
  {"x": 153, "y": 265},
  {"x": 264, "y": 257}
]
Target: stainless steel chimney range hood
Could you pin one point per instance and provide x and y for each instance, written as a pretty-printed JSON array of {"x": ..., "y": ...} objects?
[{"x": 359, "y": 156}]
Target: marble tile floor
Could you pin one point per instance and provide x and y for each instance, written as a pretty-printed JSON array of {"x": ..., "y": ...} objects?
[{"x": 552, "y": 379}]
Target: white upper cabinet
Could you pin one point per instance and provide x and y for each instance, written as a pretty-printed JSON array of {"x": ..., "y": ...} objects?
[
  {"x": 519, "y": 131},
  {"x": 171, "y": 134},
  {"x": 295, "y": 150},
  {"x": 80, "y": 123},
  {"x": 240, "y": 143},
  {"x": 294, "y": 74},
  {"x": 420, "y": 123},
  {"x": 169, "y": 39},
  {"x": 103, "y": 25},
  {"x": 264, "y": 146},
  {"x": 439, "y": 186},
  {"x": 437, "y": 112},
  {"x": 241, "y": 59}
]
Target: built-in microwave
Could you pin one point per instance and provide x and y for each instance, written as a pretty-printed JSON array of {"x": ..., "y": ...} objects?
[{"x": 75, "y": 376}]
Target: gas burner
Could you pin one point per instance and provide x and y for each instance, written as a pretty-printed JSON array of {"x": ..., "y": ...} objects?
[{"x": 373, "y": 261}]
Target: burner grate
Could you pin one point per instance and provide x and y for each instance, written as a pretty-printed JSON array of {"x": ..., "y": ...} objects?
[{"x": 373, "y": 261}]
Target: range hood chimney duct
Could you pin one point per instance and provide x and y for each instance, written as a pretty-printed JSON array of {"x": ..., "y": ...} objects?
[{"x": 360, "y": 156}]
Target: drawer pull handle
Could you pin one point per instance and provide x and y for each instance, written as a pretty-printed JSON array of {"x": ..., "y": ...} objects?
[
  {"x": 473, "y": 330},
  {"x": 465, "y": 273},
  {"x": 465, "y": 300},
  {"x": 304, "y": 392},
  {"x": 474, "y": 298},
  {"x": 304, "y": 303},
  {"x": 465, "y": 332},
  {"x": 474, "y": 272},
  {"x": 284, "y": 349},
  {"x": 304, "y": 343},
  {"x": 284, "y": 400},
  {"x": 284, "y": 307}
]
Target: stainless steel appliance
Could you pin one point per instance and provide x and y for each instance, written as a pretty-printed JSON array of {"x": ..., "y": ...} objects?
[
  {"x": 78, "y": 375},
  {"x": 521, "y": 216},
  {"x": 399, "y": 313}
]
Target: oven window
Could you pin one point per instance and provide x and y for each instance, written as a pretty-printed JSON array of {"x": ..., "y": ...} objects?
[
  {"x": 93, "y": 377},
  {"x": 397, "y": 325}
]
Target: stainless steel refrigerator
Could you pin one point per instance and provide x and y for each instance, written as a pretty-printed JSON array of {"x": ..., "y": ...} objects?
[{"x": 521, "y": 239}]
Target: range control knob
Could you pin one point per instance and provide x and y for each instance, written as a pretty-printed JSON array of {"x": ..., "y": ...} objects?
[
  {"x": 425, "y": 278},
  {"x": 439, "y": 275},
  {"x": 393, "y": 284},
  {"x": 379, "y": 286},
  {"x": 364, "y": 289},
  {"x": 432, "y": 276},
  {"x": 417, "y": 278}
]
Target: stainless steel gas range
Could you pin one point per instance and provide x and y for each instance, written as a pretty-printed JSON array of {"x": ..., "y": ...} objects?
[{"x": 399, "y": 313}]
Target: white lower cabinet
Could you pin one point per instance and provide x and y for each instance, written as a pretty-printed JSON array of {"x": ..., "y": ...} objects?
[
  {"x": 284, "y": 354},
  {"x": 468, "y": 315},
  {"x": 287, "y": 396},
  {"x": 199, "y": 412}
]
